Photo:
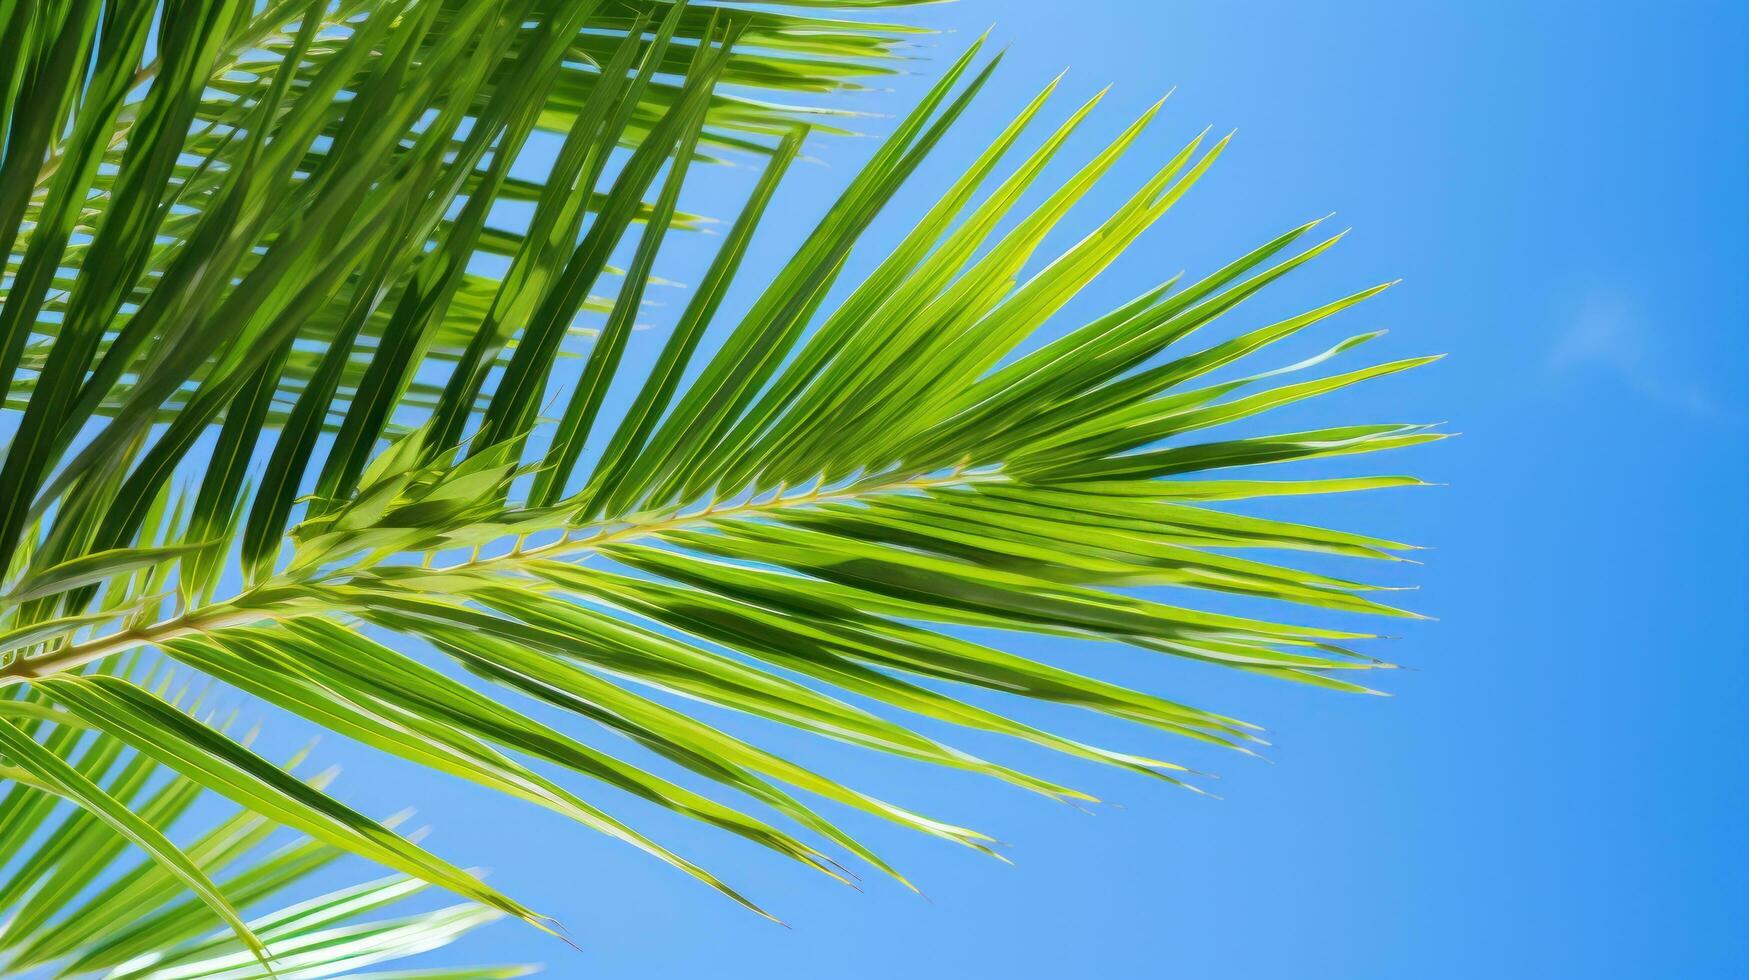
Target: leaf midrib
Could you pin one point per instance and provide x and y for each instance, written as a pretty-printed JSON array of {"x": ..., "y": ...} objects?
[{"x": 239, "y": 610}]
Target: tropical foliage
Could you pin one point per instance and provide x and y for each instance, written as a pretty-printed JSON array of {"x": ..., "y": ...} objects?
[
  {"x": 270, "y": 419},
  {"x": 77, "y": 901}
]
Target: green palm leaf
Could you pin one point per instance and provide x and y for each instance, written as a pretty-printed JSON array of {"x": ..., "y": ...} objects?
[
  {"x": 78, "y": 905},
  {"x": 284, "y": 434}
]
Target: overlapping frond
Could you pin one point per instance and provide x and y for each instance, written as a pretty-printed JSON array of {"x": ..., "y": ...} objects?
[
  {"x": 282, "y": 434},
  {"x": 77, "y": 904},
  {"x": 172, "y": 132}
]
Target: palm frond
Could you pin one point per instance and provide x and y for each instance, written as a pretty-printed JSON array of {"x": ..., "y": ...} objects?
[
  {"x": 283, "y": 435},
  {"x": 78, "y": 905}
]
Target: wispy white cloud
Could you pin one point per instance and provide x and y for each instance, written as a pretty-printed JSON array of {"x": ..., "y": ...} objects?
[{"x": 1607, "y": 335}]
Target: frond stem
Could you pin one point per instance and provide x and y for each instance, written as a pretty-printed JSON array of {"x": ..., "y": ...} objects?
[
  {"x": 243, "y": 609},
  {"x": 632, "y": 528}
]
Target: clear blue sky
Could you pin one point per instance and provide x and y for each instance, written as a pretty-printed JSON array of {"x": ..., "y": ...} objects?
[{"x": 1558, "y": 787}]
